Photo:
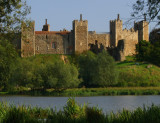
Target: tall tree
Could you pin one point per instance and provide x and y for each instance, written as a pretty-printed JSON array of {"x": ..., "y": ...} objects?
[
  {"x": 97, "y": 70},
  {"x": 12, "y": 12},
  {"x": 149, "y": 8},
  {"x": 8, "y": 57}
]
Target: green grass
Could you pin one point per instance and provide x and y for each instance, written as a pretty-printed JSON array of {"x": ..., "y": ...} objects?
[
  {"x": 133, "y": 73},
  {"x": 75, "y": 113},
  {"x": 110, "y": 91}
]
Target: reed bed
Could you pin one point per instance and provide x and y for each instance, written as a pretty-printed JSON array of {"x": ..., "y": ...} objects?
[{"x": 75, "y": 113}]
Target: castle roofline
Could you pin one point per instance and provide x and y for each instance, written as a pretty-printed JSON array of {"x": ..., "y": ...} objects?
[{"x": 52, "y": 32}]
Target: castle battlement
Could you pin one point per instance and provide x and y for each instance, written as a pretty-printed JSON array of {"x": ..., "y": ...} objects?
[{"x": 79, "y": 39}]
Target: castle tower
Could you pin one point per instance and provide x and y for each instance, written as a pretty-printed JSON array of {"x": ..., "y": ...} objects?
[
  {"x": 80, "y": 30},
  {"x": 143, "y": 30},
  {"x": 46, "y": 27},
  {"x": 115, "y": 31},
  {"x": 28, "y": 39}
]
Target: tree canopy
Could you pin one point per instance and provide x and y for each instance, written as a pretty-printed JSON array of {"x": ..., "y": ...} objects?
[
  {"x": 148, "y": 8},
  {"x": 12, "y": 12},
  {"x": 97, "y": 70}
]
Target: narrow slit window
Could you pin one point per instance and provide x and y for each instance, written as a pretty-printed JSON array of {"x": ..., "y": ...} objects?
[
  {"x": 53, "y": 45},
  {"x": 37, "y": 47}
]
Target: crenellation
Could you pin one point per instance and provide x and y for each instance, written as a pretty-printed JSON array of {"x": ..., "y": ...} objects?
[{"x": 119, "y": 42}]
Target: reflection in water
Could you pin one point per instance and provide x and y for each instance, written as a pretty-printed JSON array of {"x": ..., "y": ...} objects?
[{"x": 107, "y": 103}]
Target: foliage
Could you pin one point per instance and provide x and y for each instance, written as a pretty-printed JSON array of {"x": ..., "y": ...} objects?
[
  {"x": 97, "y": 70},
  {"x": 23, "y": 73},
  {"x": 145, "y": 51},
  {"x": 73, "y": 110},
  {"x": 148, "y": 7},
  {"x": 39, "y": 73},
  {"x": 94, "y": 115},
  {"x": 24, "y": 114},
  {"x": 60, "y": 75},
  {"x": 12, "y": 12},
  {"x": 154, "y": 35},
  {"x": 155, "y": 53},
  {"x": 8, "y": 58}
]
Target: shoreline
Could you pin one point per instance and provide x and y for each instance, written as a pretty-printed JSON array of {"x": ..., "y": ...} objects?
[{"x": 82, "y": 92}]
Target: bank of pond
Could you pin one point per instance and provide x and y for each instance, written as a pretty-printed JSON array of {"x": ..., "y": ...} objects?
[
  {"x": 74, "y": 113},
  {"x": 110, "y": 91}
]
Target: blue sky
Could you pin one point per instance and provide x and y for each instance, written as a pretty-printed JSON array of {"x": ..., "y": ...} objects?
[{"x": 61, "y": 13}]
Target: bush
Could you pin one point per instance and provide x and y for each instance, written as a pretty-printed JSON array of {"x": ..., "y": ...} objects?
[
  {"x": 60, "y": 76},
  {"x": 73, "y": 110}
]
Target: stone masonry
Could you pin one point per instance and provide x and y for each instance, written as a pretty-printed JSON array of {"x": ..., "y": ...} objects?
[{"x": 119, "y": 42}]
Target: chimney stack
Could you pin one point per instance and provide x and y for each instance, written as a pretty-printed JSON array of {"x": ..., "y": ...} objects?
[{"x": 80, "y": 17}]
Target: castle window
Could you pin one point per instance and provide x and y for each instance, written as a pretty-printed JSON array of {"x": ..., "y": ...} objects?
[
  {"x": 37, "y": 47},
  {"x": 53, "y": 45},
  {"x": 46, "y": 36}
]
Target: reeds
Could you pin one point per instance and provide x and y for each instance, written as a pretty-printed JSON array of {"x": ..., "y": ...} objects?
[{"x": 75, "y": 113}]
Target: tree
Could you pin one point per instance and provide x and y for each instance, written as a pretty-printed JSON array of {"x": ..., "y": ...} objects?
[
  {"x": 155, "y": 53},
  {"x": 12, "y": 12},
  {"x": 97, "y": 70},
  {"x": 86, "y": 62},
  {"x": 143, "y": 51},
  {"x": 154, "y": 35},
  {"x": 149, "y": 8},
  {"x": 105, "y": 68},
  {"x": 8, "y": 58},
  {"x": 23, "y": 74},
  {"x": 60, "y": 76}
]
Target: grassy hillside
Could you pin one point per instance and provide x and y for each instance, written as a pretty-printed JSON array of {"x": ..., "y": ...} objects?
[{"x": 133, "y": 73}]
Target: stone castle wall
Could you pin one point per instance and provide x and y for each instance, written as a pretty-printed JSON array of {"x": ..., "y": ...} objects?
[
  {"x": 119, "y": 41},
  {"x": 103, "y": 39},
  {"x": 50, "y": 43},
  {"x": 131, "y": 38},
  {"x": 28, "y": 39}
]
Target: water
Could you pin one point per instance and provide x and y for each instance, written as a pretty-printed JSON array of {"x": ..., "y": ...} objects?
[{"x": 107, "y": 103}]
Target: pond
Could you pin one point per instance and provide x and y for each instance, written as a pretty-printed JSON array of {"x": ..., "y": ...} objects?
[{"x": 106, "y": 103}]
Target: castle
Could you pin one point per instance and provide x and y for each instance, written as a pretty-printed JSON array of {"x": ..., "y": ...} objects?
[{"x": 119, "y": 42}]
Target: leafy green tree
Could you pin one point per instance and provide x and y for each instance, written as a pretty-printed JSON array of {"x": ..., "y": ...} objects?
[
  {"x": 23, "y": 74},
  {"x": 105, "y": 70},
  {"x": 154, "y": 35},
  {"x": 86, "y": 63},
  {"x": 155, "y": 53},
  {"x": 60, "y": 76},
  {"x": 12, "y": 12},
  {"x": 143, "y": 50},
  {"x": 97, "y": 70},
  {"x": 8, "y": 59}
]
